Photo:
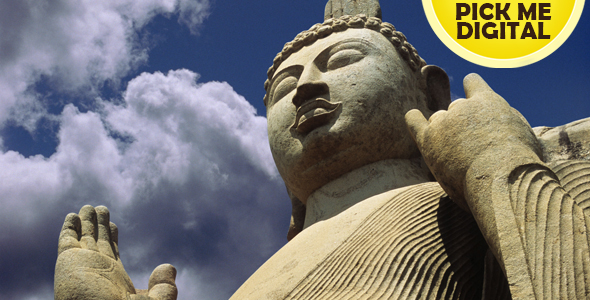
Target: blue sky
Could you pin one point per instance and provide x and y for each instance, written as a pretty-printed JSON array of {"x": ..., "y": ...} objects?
[{"x": 154, "y": 109}]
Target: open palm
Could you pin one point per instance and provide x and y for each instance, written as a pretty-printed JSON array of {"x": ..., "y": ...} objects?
[{"x": 88, "y": 264}]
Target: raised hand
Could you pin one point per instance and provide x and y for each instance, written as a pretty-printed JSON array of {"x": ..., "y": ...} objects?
[
  {"x": 481, "y": 126},
  {"x": 88, "y": 264}
]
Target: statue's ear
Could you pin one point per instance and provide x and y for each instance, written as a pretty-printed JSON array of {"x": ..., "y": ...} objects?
[{"x": 438, "y": 88}]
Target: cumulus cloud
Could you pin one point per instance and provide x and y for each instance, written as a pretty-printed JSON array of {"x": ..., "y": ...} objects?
[
  {"x": 186, "y": 170},
  {"x": 74, "y": 47}
]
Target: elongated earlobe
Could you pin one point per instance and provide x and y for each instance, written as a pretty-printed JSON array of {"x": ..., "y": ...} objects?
[{"x": 438, "y": 88}]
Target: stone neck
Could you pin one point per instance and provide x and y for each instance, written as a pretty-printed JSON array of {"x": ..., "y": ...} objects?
[{"x": 362, "y": 183}]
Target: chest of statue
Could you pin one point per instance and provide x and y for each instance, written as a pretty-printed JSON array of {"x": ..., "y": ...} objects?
[{"x": 409, "y": 243}]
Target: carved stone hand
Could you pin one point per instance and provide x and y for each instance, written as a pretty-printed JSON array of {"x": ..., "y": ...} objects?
[
  {"x": 88, "y": 264},
  {"x": 472, "y": 128}
]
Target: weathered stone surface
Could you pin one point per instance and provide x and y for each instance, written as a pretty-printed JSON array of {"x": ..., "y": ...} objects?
[
  {"x": 373, "y": 247},
  {"x": 570, "y": 141},
  {"x": 339, "y": 8}
]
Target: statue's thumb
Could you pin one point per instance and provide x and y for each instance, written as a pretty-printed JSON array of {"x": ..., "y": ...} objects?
[
  {"x": 417, "y": 125},
  {"x": 474, "y": 84},
  {"x": 162, "y": 285}
]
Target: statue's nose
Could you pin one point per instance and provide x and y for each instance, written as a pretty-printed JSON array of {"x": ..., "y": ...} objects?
[
  {"x": 309, "y": 86},
  {"x": 308, "y": 91}
]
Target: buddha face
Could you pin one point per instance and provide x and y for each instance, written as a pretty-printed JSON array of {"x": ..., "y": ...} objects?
[{"x": 338, "y": 105}]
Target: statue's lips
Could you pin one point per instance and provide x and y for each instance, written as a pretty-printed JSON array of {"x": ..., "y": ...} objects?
[{"x": 313, "y": 114}]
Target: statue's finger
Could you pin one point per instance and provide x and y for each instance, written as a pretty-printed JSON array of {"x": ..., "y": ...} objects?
[
  {"x": 104, "y": 242},
  {"x": 455, "y": 103},
  {"x": 437, "y": 116},
  {"x": 70, "y": 233},
  {"x": 417, "y": 125},
  {"x": 474, "y": 84},
  {"x": 115, "y": 239},
  {"x": 89, "y": 223},
  {"x": 162, "y": 283}
]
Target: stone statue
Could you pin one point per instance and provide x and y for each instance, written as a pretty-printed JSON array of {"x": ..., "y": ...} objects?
[{"x": 469, "y": 204}]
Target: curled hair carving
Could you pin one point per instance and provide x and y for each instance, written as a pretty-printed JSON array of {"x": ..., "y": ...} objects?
[{"x": 318, "y": 31}]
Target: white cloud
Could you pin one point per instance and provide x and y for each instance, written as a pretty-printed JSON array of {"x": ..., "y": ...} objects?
[
  {"x": 189, "y": 113},
  {"x": 185, "y": 168},
  {"x": 75, "y": 46},
  {"x": 191, "y": 13}
]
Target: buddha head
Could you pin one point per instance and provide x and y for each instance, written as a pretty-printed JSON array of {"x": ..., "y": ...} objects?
[{"x": 337, "y": 96}]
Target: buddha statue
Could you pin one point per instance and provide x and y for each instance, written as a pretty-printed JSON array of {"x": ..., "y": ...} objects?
[{"x": 397, "y": 193}]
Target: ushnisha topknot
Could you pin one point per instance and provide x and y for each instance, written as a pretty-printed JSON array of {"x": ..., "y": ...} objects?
[{"x": 318, "y": 31}]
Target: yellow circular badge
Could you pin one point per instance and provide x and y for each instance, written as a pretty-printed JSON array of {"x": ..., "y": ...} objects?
[{"x": 504, "y": 33}]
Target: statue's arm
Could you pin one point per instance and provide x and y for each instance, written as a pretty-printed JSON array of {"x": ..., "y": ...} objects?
[
  {"x": 538, "y": 213},
  {"x": 536, "y": 230},
  {"x": 487, "y": 158},
  {"x": 551, "y": 206}
]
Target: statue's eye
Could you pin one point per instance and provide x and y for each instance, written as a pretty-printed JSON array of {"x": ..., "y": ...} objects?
[
  {"x": 283, "y": 88},
  {"x": 343, "y": 58}
]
